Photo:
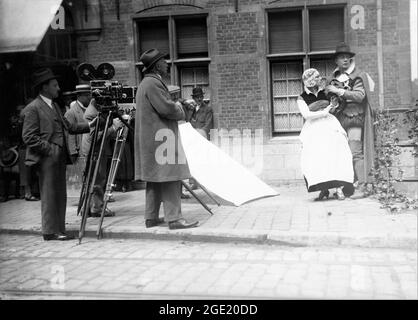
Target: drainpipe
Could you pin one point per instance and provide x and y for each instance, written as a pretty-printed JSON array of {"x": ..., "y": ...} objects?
[
  {"x": 380, "y": 54},
  {"x": 236, "y": 5}
]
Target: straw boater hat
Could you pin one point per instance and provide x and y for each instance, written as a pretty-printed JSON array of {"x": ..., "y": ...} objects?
[
  {"x": 150, "y": 57},
  {"x": 343, "y": 48},
  {"x": 82, "y": 88}
]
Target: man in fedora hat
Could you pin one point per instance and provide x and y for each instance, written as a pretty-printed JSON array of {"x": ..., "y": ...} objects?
[
  {"x": 357, "y": 116},
  {"x": 45, "y": 133},
  {"x": 97, "y": 202},
  {"x": 157, "y": 114},
  {"x": 201, "y": 116}
]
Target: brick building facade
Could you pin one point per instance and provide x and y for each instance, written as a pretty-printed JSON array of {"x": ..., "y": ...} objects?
[{"x": 249, "y": 56}]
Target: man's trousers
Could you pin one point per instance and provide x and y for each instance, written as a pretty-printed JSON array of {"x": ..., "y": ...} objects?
[
  {"x": 169, "y": 193},
  {"x": 53, "y": 187}
]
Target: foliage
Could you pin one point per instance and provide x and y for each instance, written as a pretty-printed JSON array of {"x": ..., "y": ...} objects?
[{"x": 386, "y": 171}]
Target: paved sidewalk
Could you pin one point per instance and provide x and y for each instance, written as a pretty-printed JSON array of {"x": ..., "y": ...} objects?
[{"x": 292, "y": 218}]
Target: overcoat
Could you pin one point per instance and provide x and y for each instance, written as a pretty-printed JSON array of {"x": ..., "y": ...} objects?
[{"x": 159, "y": 155}]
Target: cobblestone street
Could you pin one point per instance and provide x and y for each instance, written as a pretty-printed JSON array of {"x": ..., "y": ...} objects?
[{"x": 150, "y": 269}]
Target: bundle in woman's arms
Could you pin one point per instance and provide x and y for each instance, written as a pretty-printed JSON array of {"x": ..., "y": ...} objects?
[{"x": 318, "y": 105}]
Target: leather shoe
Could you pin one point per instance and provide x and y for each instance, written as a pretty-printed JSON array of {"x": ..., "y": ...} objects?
[
  {"x": 182, "y": 224},
  {"x": 149, "y": 223},
  {"x": 108, "y": 213},
  {"x": 60, "y": 237}
]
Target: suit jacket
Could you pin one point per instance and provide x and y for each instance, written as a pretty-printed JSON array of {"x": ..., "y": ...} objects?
[
  {"x": 40, "y": 130},
  {"x": 75, "y": 142},
  {"x": 202, "y": 118}
]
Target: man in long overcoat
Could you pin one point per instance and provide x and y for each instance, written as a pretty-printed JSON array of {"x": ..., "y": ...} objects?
[
  {"x": 159, "y": 158},
  {"x": 45, "y": 133}
]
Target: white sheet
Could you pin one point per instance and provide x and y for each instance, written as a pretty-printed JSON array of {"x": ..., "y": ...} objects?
[{"x": 218, "y": 172}]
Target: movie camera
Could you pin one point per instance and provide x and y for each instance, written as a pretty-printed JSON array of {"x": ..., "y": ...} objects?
[{"x": 107, "y": 93}]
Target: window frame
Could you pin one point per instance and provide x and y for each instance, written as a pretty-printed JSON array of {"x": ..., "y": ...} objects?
[
  {"x": 306, "y": 56},
  {"x": 175, "y": 63}
]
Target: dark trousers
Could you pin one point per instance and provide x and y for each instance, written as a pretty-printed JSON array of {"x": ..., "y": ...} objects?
[
  {"x": 169, "y": 193},
  {"x": 97, "y": 200},
  {"x": 52, "y": 181}
]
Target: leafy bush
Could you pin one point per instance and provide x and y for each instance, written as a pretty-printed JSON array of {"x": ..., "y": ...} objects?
[{"x": 386, "y": 171}]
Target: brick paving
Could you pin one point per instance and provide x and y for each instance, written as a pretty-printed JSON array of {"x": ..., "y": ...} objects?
[
  {"x": 290, "y": 218},
  {"x": 132, "y": 268}
]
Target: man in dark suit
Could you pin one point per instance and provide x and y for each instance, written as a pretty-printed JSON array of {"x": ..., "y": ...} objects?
[{"x": 45, "y": 133}]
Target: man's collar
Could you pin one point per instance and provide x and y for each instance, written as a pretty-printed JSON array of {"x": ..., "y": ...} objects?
[
  {"x": 81, "y": 105},
  {"x": 47, "y": 100},
  {"x": 349, "y": 70}
]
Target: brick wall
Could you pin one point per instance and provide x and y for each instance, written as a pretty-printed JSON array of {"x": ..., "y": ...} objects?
[{"x": 238, "y": 70}]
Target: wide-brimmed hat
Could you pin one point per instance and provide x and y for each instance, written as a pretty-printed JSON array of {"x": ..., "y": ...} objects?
[
  {"x": 9, "y": 157},
  {"x": 150, "y": 57},
  {"x": 197, "y": 92},
  {"x": 343, "y": 48},
  {"x": 43, "y": 75},
  {"x": 82, "y": 88}
]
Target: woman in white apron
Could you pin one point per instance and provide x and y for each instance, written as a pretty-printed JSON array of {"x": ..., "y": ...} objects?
[{"x": 326, "y": 158}]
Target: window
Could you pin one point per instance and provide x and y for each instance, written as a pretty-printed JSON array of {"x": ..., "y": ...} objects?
[
  {"x": 299, "y": 39},
  {"x": 185, "y": 40}
]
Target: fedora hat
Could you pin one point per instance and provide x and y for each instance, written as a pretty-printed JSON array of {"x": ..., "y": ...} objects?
[
  {"x": 150, "y": 57},
  {"x": 343, "y": 48},
  {"x": 82, "y": 88},
  {"x": 43, "y": 75},
  {"x": 197, "y": 92},
  {"x": 9, "y": 157}
]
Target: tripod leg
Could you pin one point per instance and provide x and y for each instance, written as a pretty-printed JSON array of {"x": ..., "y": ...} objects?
[
  {"x": 93, "y": 181},
  {"x": 197, "y": 198},
  {"x": 117, "y": 153},
  {"x": 207, "y": 192}
]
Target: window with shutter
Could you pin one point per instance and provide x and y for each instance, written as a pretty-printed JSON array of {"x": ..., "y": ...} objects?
[
  {"x": 192, "y": 39},
  {"x": 153, "y": 34},
  {"x": 285, "y": 32},
  {"x": 186, "y": 38},
  {"x": 326, "y": 28},
  {"x": 288, "y": 30}
]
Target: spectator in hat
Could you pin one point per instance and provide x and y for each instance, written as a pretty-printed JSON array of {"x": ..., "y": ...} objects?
[
  {"x": 357, "y": 116},
  {"x": 157, "y": 113},
  {"x": 201, "y": 116},
  {"x": 75, "y": 115},
  {"x": 45, "y": 133}
]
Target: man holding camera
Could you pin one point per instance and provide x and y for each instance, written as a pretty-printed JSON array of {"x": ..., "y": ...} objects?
[
  {"x": 45, "y": 133},
  {"x": 97, "y": 201},
  {"x": 155, "y": 128}
]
